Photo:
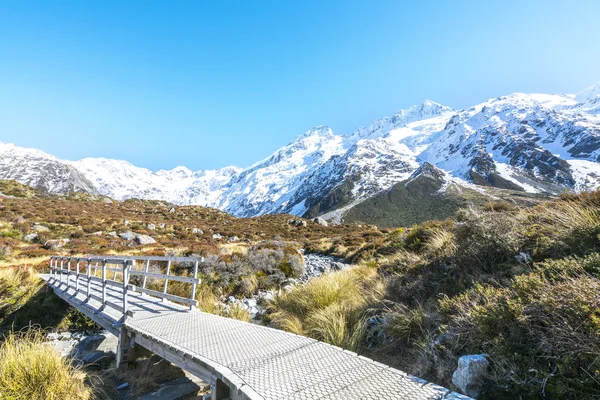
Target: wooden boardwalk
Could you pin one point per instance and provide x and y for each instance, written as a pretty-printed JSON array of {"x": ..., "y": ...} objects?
[{"x": 240, "y": 360}]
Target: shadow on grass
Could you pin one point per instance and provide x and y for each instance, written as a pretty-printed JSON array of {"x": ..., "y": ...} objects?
[{"x": 47, "y": 311}]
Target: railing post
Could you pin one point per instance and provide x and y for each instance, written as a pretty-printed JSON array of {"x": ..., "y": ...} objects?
[
  {"x": 61, "y": 272},
  {"x": 193, "y": 295},
  {"x": 126, "y": 265},
  {"x": 68, "y": 273},
  {"x": 51, "y": 258},
  {"x": 167, "y": 279},
  {"x": 77, "y": 277},
  {"x": 146, "y": 268},
  {"x": 89, "y": 263},
  {"x": 103, "y": 282}
]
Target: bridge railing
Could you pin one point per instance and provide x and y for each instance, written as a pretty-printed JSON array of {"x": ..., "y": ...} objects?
[{"x": 94, "y": 270}]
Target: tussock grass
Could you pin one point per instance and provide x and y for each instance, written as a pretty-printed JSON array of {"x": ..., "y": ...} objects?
[
  {"x": 331, "y": 308},
  {"x": 12, "y": 277},
  {"x": 30, "y": 370}
]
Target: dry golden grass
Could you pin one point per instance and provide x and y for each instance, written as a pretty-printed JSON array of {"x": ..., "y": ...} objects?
[
  {"x": 331, "y": 307},
  {"x": 30, "y": 370}
]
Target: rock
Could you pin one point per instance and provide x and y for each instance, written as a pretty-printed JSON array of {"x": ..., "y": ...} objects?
[
  {"x": 296, "y": 222},
  {"x": 102, "y": 342},
  {"x": 93, "y": 357},
  {"x": 112, "y": 234},
  {"x": 231, "y": 299},
  {"x": 127, "y": 235},
  {"x": 122, "y": 386},
  {"x": 523, "y": 258},
  {"x": 64, "y": 347},
  {"x": 269, "y": 296},
  {"x": 181, "y": 388},
  {"x": 52, "y": 336},
  {"x": 98, "y": 233},
  {"x": 55, "y": 244},
  {"x": 318, "y": 264},
  {"x": 197, "y": 231},
  {"x": 162, "y": 226},
  {"x": 151, "y": 227},
  {"x": 320, "y": 221},
  {"x": 40, "y": 228},
  {"x": 233, "y": 239},
  {"x": 65, "y": 336},
  {"x": 77, "y": 335},
  {"x": 216, "y": 236},
  {"x": 288, "y": 288},
  {"x": 31, "y": 237},
  {"x": 126, "y": 222},
  {"x": 250, "y": 302},
  {"x": 470, "y": 374},
  {"x": 144, "y": 239},
  {"x": 172, "y": 210}
]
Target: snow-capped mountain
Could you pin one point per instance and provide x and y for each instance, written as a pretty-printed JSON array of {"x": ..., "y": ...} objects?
[
  {"x": 527, "y": 142},
  {"x": 40, "y": 170},
  {"x": 122, "y": 180}
]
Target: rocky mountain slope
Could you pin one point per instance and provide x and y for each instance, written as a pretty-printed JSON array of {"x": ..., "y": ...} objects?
[{"x": 533, "y": 143}]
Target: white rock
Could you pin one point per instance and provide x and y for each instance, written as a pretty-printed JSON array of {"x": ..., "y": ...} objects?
[
  {"x": 320, "y": 221},
  {"x": 470, "y": 374},
  {"x": 151, "y": 227},
  {"x": 127, "y": 235},
  {"x": 31, "y": 237},
  {"x": 144, "y": 239}
]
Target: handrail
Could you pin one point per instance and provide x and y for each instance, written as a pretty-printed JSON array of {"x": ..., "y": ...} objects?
[{"x": 125, "y": 266}]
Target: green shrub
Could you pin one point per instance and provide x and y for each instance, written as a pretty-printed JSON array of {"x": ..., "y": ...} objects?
[
  {"x": 10, "y": 233},
  {"x": 543, "y": 331}
]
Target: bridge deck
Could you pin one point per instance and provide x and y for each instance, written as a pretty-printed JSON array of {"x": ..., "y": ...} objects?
[{"x": 255, "y": 362}]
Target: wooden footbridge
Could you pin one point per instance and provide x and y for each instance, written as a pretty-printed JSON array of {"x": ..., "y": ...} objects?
[{"x": 240, "y": 360}]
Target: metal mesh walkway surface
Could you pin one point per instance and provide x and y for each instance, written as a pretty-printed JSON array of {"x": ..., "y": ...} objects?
[{"x": 252, "y": 361}]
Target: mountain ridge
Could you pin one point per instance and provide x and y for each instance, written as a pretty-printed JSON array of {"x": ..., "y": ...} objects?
[{"x": 535, "y": 143}]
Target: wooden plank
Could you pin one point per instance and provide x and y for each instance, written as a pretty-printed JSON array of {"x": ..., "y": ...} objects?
[
  {"x": 162, "y": 295},
  {"x": 165, "y": 276}
]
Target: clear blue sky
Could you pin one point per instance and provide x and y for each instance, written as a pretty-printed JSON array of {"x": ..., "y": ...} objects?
[{"x": 209, "y": 84}]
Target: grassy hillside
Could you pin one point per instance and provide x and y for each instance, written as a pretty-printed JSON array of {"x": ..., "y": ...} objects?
[
  {"x": 521, "y": 285},
  {"x": 425, "y": 198}
]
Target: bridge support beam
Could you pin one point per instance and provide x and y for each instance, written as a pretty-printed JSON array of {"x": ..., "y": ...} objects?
[
  {"x": 218, "y": 389},
  {"x": 127, "y": 350}
]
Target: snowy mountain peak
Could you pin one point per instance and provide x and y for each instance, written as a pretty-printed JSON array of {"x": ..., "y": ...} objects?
[
  {"x": 320, "y": 131},
  {"x": 588, "y": 94}
]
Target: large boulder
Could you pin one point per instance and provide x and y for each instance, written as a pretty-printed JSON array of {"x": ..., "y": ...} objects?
[
  {"x": 470, "y": 375},
  {"x": 144, "y": 239}
]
